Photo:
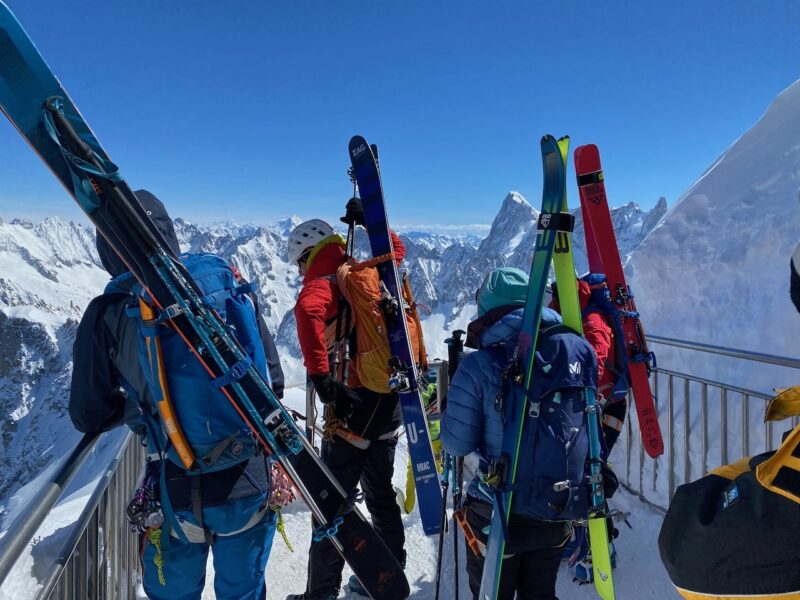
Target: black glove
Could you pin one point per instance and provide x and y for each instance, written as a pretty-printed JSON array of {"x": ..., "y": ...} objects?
[
  {"x": 354, "y": 214},
  {"x": 329, "y": 391}
]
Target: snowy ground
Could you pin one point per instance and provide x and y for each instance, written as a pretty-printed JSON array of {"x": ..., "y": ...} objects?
[{"x": 639, "y": 574}]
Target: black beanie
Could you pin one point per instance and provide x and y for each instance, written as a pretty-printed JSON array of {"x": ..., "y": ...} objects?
[{"x": 158, "y": 213}]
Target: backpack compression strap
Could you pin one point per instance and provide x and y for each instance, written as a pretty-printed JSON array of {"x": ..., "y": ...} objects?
[
  {"x": 781, "y": 472},
  {"x": 163, "y": 400}
]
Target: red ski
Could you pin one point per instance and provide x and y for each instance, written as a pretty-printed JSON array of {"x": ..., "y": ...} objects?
[{"x": 601, "y": 243}]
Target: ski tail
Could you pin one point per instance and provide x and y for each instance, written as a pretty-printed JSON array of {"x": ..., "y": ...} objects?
[{"x": 594, "y": 204}]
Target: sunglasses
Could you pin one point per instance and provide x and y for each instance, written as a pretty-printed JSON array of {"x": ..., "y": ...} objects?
[{"x": 303, "y": 257}]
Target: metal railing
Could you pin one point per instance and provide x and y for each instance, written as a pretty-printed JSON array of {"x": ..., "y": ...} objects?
[
  {"x": 705, "y": 423},
  {"x": 689, "y": 406},
  {"x": 99, "y": 557}
]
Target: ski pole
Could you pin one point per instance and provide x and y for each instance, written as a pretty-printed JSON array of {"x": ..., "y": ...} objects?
[
  {"x": 458, "y": 480},
  {"x": 443, "y": 522}
]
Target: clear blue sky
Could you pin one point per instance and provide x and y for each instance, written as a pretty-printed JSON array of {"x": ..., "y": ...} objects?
[{"x": 244, "y": 109}]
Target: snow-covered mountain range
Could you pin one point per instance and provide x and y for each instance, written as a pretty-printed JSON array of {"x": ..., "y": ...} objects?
[
  {"x": 717, "y": 269},
  {"x": 49, "y": 271}
]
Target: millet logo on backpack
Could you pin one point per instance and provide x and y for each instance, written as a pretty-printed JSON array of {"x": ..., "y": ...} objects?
[
  {"x": 575, "y": 368},
  {"x": 357, "y": 151}
]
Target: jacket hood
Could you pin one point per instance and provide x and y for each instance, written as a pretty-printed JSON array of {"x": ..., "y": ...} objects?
[
  {"x": 326, "y": 260},
  {"x": 584, "y": 294},
  {"x": 156, "y": 211},
  {"x": 505, "y": 331}
]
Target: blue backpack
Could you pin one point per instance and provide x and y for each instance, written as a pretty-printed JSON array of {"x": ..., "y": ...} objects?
[
  {"x": 600, "y": 301},
  {"x": 213, "y": 429},
  {"x": 551, "y": 480}
]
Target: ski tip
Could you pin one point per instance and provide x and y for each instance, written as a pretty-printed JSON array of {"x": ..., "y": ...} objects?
[
  {"x": 587, "y": 159},
  {"x": 549, "y": 144},
  {"x": 357, "y": 140},
  {"x": 357, "y": 147}
]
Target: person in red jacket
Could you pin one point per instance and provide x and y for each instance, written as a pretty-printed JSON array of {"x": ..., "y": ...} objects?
[{"x": 361, "y": 423}]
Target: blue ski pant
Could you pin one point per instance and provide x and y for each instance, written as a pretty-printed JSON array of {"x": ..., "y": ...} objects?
[{"x": 239, "y": 564}]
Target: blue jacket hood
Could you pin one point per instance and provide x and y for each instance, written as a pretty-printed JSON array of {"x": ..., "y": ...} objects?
[{"x": 505, "y": 331}]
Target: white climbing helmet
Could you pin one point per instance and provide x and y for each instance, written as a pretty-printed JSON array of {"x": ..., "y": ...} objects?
[{"x": 307, "y": 235}]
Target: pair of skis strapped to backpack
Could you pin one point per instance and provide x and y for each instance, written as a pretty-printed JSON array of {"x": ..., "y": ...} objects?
[
  {"x": 405, "y": 376},
  {"x": 553, "y": 246},
  {"x": 40, "y": 109},
  {"x": 603, "y": 254}
]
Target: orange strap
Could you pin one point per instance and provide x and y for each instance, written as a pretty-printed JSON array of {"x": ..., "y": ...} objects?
[
  {"x": 473, "y": 542},
  {"x": 372, "y": 262}
]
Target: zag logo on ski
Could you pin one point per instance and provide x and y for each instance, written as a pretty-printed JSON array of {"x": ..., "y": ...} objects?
[{"x": 356, "y": 152}]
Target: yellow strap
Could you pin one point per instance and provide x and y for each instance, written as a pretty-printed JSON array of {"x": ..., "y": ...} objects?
[
  {"x": 733, "y": 470},
  {"x": 282, "y": 529},
  {"x": 411, "y": 490},
  {"x": 154, "y": 535},
  {"x": 700, "y": 596},
  {"x": 785, "y": 457},
  {"x": 785, "y": 404}
]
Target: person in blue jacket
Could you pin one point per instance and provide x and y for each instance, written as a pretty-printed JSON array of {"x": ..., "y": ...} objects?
[
  {"x": 471, "y": 423},
  {"x": 233, "y": 505}
]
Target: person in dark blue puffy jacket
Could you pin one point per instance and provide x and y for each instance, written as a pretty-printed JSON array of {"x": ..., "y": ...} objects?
[{"x": 471, "y": 423}]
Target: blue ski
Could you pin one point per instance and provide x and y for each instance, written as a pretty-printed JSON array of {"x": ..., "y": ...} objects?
[{"x": 405, "y": 378}]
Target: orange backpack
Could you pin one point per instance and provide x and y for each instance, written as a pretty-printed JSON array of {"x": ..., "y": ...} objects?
[{"x": 360, "y": 286}]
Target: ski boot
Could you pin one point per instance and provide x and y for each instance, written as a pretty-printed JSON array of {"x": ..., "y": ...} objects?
[
  {"x": 304, "y": 597},
  {"x": 355, "y": 586},
  {"x": 584, "y": 573}
]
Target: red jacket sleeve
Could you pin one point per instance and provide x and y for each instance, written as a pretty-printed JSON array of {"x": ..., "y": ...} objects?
[
  {"x": 598, "y": 334},
  {"x": 399, "y": 247},
  {"x": 314, "y": 306}
]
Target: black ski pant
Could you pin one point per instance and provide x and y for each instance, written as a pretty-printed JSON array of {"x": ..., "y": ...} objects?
[
  {"x": 529, "y": 573},
  {"x": 616, "y": 410},
  {"x": 373, "y": 468}
]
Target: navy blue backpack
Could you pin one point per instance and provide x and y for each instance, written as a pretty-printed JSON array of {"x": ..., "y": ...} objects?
[
  {"x": 600, "y": 301},
  {"x": 551, "y": 480}
]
